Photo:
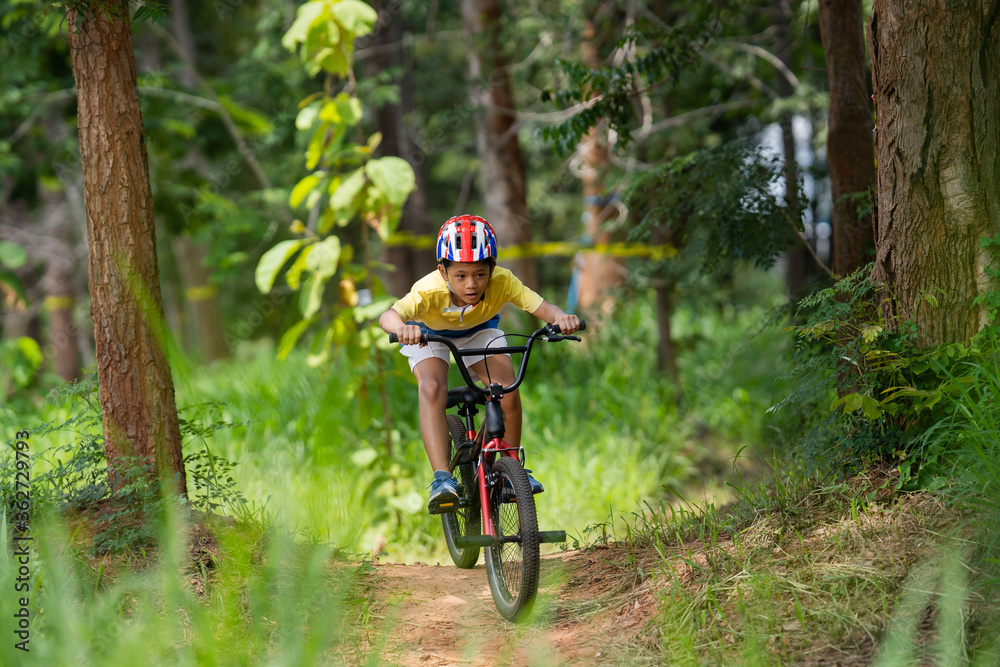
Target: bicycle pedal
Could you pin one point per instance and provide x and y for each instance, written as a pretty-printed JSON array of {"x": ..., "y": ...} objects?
[{"x": 445, "y": 506}]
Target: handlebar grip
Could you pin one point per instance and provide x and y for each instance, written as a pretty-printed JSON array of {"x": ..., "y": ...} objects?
[
  {"x": 555, "y": 327},
  {"x": 393, "y": 338}
]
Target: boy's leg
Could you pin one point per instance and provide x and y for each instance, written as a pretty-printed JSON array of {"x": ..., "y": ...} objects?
[{"x": 432, "y": 391}]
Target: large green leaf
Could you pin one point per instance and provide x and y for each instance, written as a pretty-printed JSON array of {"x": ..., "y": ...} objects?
[
  {"x": 355, "y": 16},
  {"x": 301, "y": 189},
  {"x": 394, "y": 177},
  {"x": 291, "y": 337},
  {"x": 324, "y": 256},
  {"x": 343, "y": 198},
  {"x": 311, "y": 297},
  {"x": 307, "y": 13},
  {"x": 272, "y": 261}
]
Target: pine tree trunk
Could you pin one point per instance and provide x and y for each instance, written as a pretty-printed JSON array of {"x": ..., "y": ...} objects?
[
  {"x": 935, "y": 74},
  {"x": 136, "y": 388},
  {"x": 502, "y": 173},
  {"x": 849, "y": 147},
  {"x": 600, "y": 273}
]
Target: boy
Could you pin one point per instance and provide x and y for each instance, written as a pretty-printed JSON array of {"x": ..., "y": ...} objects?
[{"x": 462, "y": 300}]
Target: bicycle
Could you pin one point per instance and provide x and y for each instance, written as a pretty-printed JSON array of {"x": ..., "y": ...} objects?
[{"x": 496, "y": 508}]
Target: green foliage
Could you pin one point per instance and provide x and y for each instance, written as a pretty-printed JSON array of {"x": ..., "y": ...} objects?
[
  {"x": 347, "y": 192},
  {"x": 75, "y": 476},
  {"x": 716, "y": 205},
  {"x": 662, "y": 54},
  {"x": 890, "y": 391}
]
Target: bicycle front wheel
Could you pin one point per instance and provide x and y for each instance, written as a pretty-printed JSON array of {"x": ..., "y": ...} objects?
[
  {"x": 465, "y": 522},
  {"x": 512, "y": 564}
]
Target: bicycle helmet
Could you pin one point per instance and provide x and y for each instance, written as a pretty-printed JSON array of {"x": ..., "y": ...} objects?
[{"x": 466, "y": 238}]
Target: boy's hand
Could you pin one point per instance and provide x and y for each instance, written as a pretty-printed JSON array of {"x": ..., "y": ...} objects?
[
  {"x": 568, "y": 323},
  {"x": 409, "y": 334}
]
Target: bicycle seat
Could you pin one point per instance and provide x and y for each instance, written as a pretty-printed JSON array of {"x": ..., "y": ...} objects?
[{"x": 460, "y": 395}]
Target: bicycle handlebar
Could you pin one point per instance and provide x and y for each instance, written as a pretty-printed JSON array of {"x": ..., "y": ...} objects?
[{"x": 551, "y": 332}]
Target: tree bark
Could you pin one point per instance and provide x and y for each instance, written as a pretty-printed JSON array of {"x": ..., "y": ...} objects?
[
  {"x": 600, "y": 273},
  {"x": 801, "y": 270},
  {"x": 200, "y": 294},
  {"x": 849, "y": 147},
  {"x": 136, "y": 387},
  {"x": 502, "y": 164},
  {"x": 388, "y": 52},
  {"x": 937, "y": 99}
]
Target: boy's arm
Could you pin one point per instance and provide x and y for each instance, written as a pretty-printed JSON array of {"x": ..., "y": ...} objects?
[
  {"x": 392, "y": 323},
  {"x": 553, "y": 314}
]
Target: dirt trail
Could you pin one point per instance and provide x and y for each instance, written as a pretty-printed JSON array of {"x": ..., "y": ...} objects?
[{"x": 438, "y": 615}]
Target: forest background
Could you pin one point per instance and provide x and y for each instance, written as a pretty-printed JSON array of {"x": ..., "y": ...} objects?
[{"x": 697, "y": 180}]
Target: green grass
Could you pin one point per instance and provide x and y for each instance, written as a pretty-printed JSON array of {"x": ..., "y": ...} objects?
[{"x": 259, "y": 597}]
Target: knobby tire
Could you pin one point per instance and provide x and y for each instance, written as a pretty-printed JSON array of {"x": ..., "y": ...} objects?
[
  {"x": 512, "y": 567},
  {"x": 466, "y": 521}
]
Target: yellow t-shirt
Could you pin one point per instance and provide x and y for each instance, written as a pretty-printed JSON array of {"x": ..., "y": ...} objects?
[{"x": 429, "y": 303}]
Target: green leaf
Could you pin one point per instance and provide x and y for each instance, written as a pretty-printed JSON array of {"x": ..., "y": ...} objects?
[
  {"x": 307, "y": 14},
  {"x": 394, "y": 177},
  {"x": 294, "y": 274},
  {"x": 342, "y": 201},
  {"x": 311, "y": 297},
  {"x": 355, "y": 16},
  {"x": 315, "y": 149},
  {"x": 12, "y": 255},
  {"x": 305, "y": 118},
  {"x": 364, "y": 457},
  {"x": 330, "y": 113},
  {"x": 851, "y": 402},
  {"x": 870, "y": 407},
  {"x": 301, "y": 189},
  {"x": 291, "y": 337},
  {"x": 272, "y": 261},
  {"x": 324, "y": 257},
  {"x": 31, "y": 351},
  {"x": 349, "y": 108}
]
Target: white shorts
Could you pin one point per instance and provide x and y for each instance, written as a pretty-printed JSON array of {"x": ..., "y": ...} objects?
[{"x": 481, "y": 339}]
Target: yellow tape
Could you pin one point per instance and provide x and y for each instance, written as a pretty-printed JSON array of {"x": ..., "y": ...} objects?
[
  {"x": 201, "y": 293},
  {"x": 554, "y": 248},
  {"x": 58, "y": 302}
]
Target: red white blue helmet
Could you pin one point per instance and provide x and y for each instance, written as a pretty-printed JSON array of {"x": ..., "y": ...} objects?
[{"x": 466, "y": 238}]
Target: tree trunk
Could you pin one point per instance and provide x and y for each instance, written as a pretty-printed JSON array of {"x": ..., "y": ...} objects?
[
  {"x": 600, "y": 273},
  {"x": 937, "y": 98},
  {"x": 502, "y": 164},
  {"x": 136, "y": 388},
  {"x": 801, "y": 268},
  {"x": 388, "y": 52},
  {"x": 849, "y": 148},
  {"x": 200, "y": 294}
]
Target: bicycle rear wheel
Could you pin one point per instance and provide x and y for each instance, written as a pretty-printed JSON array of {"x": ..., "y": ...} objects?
[
  {"x": 464, "y": 522},
  {"x": 512, "y": 564}
]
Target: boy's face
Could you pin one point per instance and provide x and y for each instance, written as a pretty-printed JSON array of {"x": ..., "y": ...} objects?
[{"x": 468, "y": 281}]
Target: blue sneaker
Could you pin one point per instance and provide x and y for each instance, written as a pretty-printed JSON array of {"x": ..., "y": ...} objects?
[
  {"x": 536, "y": 486},
  {"x": 508, "y": 490},
  {"x": 444, "y": 493}
]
